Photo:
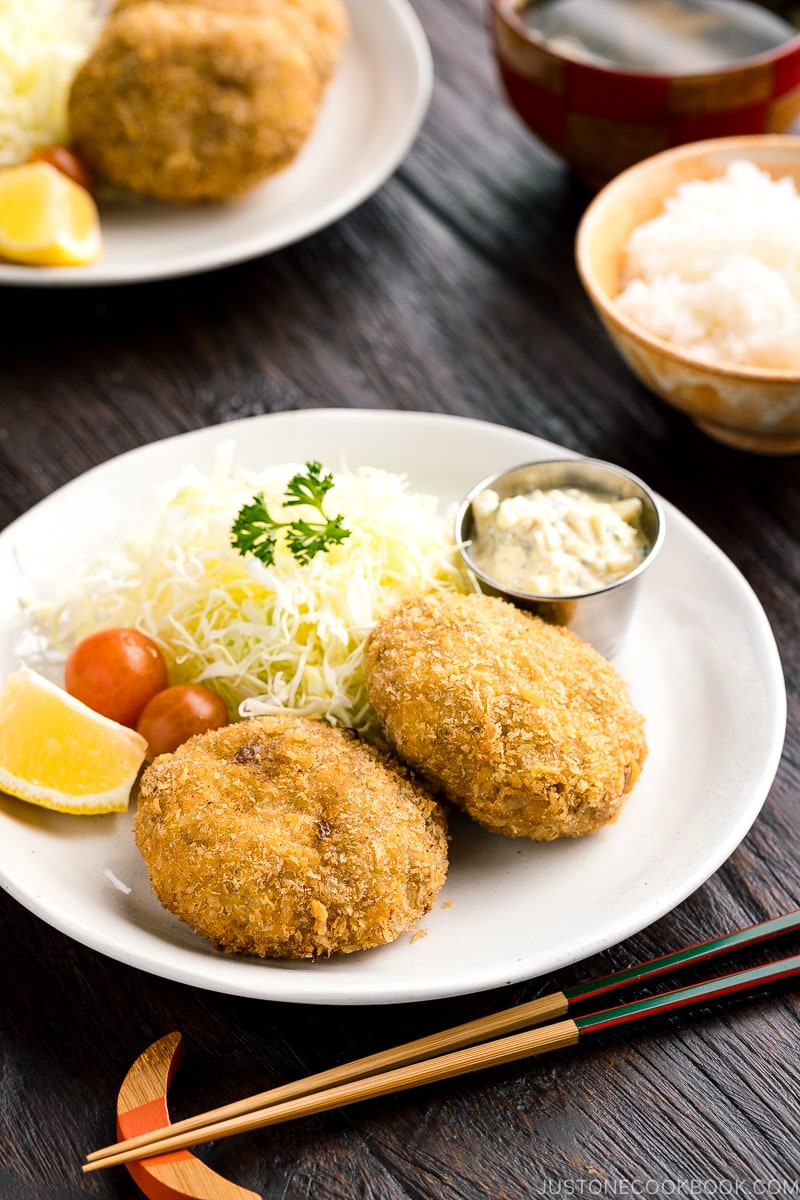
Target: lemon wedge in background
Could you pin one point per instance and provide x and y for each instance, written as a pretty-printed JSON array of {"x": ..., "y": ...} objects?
[
  {"x": 57, "y": 753},
  {"x": 46, "y": 219}
]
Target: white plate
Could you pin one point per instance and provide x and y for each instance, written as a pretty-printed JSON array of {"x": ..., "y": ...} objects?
[
  {"x": 701, "y": 662},
  {"x": 370, "y": 116}
]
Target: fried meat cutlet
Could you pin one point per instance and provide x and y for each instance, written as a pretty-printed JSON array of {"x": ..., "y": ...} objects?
[
  {"x": 518, "y": 722},
  {"x": 188, "y": 104},
  {"x": 321, "y": 26},
  {"x": 285, "y": 837}
]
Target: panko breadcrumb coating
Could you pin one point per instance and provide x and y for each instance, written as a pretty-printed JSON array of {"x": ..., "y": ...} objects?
[
  {"x": 320, "y": 25},
  {"x": 192, "y": 102},
  {"x": 520, "y": 723},
  {"x": 285, "y": 837}
]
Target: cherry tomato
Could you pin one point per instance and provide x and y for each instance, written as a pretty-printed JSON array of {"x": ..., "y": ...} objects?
[
  {"x": 116, "y": 672},
  {"x": 177, "y": 713},
  {"x": 67, "y": 162}
]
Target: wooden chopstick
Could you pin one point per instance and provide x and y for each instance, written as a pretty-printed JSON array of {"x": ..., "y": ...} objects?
[
  {"x": 461, "y": 1062},
  {"x": 509, "y": 1020},
  {"x": 535, "y": 1012},
  {"x": 751, "y": 935},
  {"x": 434, "y": 1046}
]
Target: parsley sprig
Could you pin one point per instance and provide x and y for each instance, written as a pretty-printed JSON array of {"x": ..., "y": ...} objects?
[{"x": 255, "y": 532}]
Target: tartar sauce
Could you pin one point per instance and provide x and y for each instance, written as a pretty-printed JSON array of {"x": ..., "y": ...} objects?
[{"x": 558, "y": 542}]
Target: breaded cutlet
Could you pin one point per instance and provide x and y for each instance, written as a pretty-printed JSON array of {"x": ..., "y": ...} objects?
[
  {"x": 518, "y": 722},
  {"x": 285, "y": 837}
]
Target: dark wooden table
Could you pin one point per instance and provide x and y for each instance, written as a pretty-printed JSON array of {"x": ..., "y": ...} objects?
[{"x": 453, "y": 289}]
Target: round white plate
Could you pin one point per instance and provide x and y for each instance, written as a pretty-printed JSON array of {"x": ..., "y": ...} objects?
[
  {"x": 371, "y": 113},
  {"x": 701, "y": 662}
]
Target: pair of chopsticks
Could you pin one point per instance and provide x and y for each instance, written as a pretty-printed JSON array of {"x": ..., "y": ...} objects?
[{"x": 464, "y": 1048}]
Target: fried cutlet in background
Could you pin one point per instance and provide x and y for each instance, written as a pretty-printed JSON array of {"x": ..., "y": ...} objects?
[
  {"x": 320, "y": 25},
  {"x": 192, "y": 102}
]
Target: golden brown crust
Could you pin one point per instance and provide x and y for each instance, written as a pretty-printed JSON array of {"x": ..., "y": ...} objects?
[
  {"x": 189, "y": 102},
  {"x": 516, "y": 721},
  {"x": 320, "y": 25},
  {"x": 287, "y": 838}
]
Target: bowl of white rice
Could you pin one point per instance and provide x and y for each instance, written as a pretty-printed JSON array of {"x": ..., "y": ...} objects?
[{"x": 692, "y": 261}]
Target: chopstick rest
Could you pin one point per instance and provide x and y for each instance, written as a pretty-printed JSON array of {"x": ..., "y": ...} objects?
[
  {"x": 425, "y": 1060},
  {"x": 142, "y": 1107}
]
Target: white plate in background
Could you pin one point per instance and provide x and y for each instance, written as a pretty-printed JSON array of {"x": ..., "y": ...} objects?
[{"x": 370, "y": 116}]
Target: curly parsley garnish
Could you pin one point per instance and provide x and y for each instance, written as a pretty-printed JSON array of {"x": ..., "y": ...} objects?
[{"x": 255, "y": 532}]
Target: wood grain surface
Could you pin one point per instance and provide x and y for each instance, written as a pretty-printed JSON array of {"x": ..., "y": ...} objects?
[{"x": 453, "y": 289}]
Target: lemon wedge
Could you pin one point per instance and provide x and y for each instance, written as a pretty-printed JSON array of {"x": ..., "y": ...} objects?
[
  {"x": 47, "y": 219},
  {"x": 58, "y": 753}
]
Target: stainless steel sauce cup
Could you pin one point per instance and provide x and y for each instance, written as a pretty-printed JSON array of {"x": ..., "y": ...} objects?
[{"x": 601, "y": 616}]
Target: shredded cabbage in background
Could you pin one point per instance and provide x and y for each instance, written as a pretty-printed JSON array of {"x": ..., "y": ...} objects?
[
  {"x": 268, "y": 639},
  {"x": 42, "y": 44}
]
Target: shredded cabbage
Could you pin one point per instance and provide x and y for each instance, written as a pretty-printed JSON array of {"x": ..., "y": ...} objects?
[
  {"x": 268, "y": 639},
  {"x": 42, "y": 44}
]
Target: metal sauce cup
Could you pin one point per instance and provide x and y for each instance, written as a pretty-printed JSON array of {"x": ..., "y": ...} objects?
[{"x": 601, "y": 617}]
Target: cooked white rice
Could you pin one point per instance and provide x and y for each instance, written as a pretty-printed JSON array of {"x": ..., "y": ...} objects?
[
  {"x": 42, "y": 44},
  {"x": 718, "y": 272}
]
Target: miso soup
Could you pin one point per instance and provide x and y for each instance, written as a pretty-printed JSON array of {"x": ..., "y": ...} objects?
[{"x": 658, "y": 36}]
